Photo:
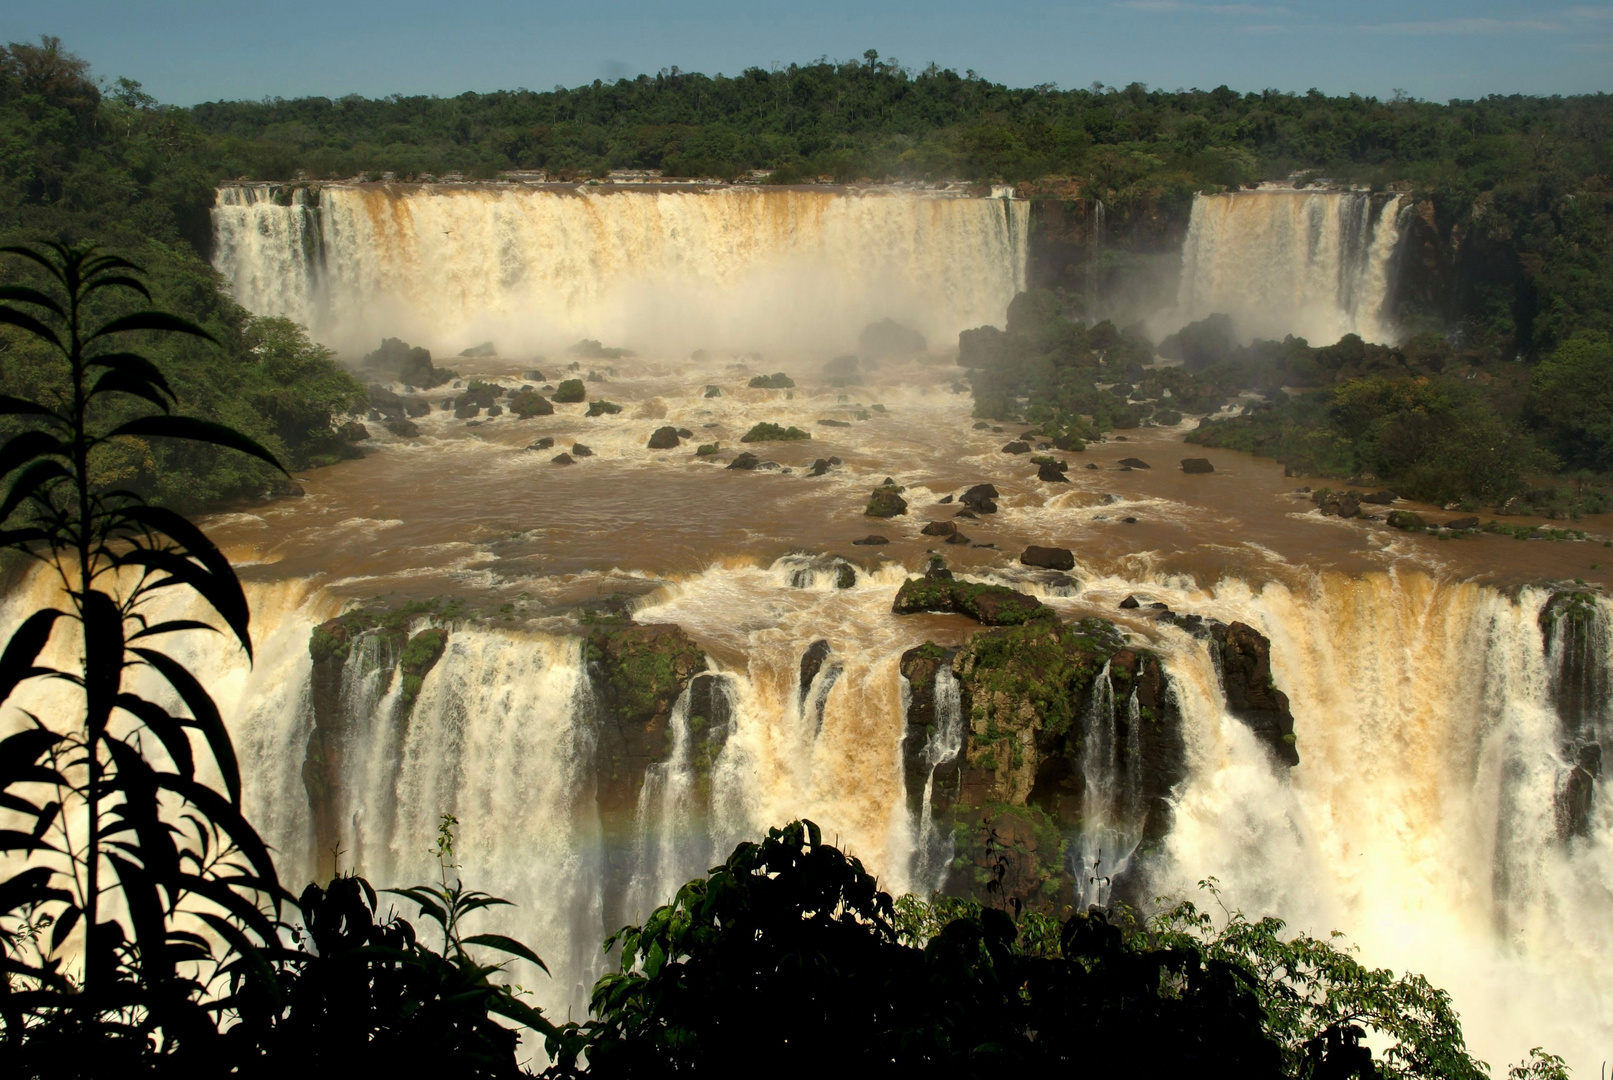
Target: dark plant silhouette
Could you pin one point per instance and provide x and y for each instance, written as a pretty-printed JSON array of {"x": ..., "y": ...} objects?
[{"x": 139, "y": 896}]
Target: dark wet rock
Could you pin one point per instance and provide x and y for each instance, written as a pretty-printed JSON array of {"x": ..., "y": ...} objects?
[
  {"x": 713, "y": 391},
  {"x": 599, "y": 407},
  {"x": 776, "y": 381},
  {"x": 956, "y": 538},
  {"x": 811, "y": 663},
  {"x": 1048, "y": 558},
  {"x": 766, "y": 432},
  {"x": 495, "y": 410},
  {"x": 819, "y": 467},
  {"x": 534, "y": 375},
  {"x": 685, "y": 433},
  {"x": 403, "y": 429},
  {"x": 946, "y": 500},
  {"x": 834, "y": 423},
  {"x": 1197, "y": 465},
  {"x": 663, "y": 438},
  {"x": 1462, "y": 523},
  {"x": 579, "y": 450},
  {"x": 1052, "y": 474},
  {"x": 415, "y": 408},
  {"x": 993, "y": 605},
  {"x": 871, "y": 540},
  {"x": 527, "y": 403},
  {"x": 1252, "y": 696},
  {"x": 1130, "y": 603},
  {"x": 980, "y": 499},
  {"x": 885, "y": 503},
  {"x": 1577, "y": 796},
  {"x": 890, "y": 338},
  {"x": 570, "y": 391},
  {"x": 1376, "y": 498},
  {"x": 545, "y": 443},
  {"x": 967, "y": 513},
  {"x": 589, "y": 349},
  {"x": 1344, "y": 504},
  {"x": 746, "y": 461},
  {"x": 467, "y": 410},
  {"x": 1091, "y": 465},
  {"x": 562, "y": 459},
  {"x": 486, "y": 348},
  {"x": 1407, "y": 520},
  {"x": 836, "y": 461},
  {"x": 1134, "y": 463},
  {"x": 921, "y": 666},
  {"x": 981, "y": 426},
  {"x": 352, "y": 432},
  {"x": 1017, "y": 447},
  {"x": 939, "y": 528}
]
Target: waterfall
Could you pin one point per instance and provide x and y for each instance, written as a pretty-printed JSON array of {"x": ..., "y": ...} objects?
[
  {"x": 1095, "y": 238},
  {"x": 1314, "y": 264},
  {"x": 934, "y": 847},
  {"x": 536, "y": 268},
  {"x": 1112, "y": 812}
]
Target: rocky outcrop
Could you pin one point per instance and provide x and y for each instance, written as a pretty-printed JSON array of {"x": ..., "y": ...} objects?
[
  {"x": 1406, "y": 520},
  {"x": 981, "y": 499},
  {"x": 663, "y": 438},
  {"x": 1197, "y": 465},
  {"x": 1033, "y": 698},
  {"x": 994, "y": 605},
  {"x": 1575, "y": 632},
  {"x": 885, "y": 503},
  {"x": 1244, "y": 659},
  {"x": 638, "y": 673},
  {"x": 1048, "y": 558}
]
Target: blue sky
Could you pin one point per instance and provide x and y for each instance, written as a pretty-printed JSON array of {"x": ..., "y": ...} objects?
[{"x": 186, "y": 51}]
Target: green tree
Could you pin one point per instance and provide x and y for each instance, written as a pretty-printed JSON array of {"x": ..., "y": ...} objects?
[{"x": 1571, "y": 398}]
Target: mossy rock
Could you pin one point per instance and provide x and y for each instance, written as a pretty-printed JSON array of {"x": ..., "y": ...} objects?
[
  {"x": 885, "y": 503},
  {"x": 993, "y": 605},
  {"x": 709, "y": 449},
  {"x": 599, "y": 407},
  {"x": 776, "y": 381},
  {"x": 766, "y": 432},
  {"x": 527, "y": 403},
  {"x": 570, "y": 392}
]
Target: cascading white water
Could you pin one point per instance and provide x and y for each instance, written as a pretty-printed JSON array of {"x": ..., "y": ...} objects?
[
  {"x": 537, "y": 268},
  {"x": 1314, "y": 264},
  {"x": 934, "y": 847},
  {"x": 1111, "y": 825}
]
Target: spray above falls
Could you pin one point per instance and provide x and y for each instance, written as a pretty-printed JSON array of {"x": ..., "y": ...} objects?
[
  {"x": 1315, "y": 264},
  {"x": 539, "y": 267}
]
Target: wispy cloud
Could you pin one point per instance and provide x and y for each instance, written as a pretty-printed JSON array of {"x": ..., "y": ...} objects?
[
  {"x": 1469, "y": 26},
  {"x": 1590, "y": 12},
  {"x": 1206, "y": 9}
]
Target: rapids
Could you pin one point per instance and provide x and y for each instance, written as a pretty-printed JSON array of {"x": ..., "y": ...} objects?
[{"x": 1428, "y": 706}]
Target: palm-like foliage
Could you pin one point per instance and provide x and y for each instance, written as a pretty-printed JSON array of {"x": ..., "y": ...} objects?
[{"x": 141, "y": 896}]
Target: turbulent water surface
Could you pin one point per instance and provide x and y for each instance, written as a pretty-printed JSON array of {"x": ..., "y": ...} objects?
[{"x": 1421, "y": 820}]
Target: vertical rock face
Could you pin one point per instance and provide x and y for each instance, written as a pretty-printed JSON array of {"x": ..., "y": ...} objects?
[
  {"x": 1252, "y": 696},
  {"x": 921, "y": 667},
  {"x": 1575, "y": 632},
  {"x": 638, "y": 673},
  {"x": 1067, "y": 732},
  {"x": 345, "y": 651}
]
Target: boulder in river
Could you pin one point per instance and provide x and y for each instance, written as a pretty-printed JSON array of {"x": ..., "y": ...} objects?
[
  {"x": 956, "y": 538},
  {"x": 1197, "y": 465},
  {"x": 1048, "y": 558},
  {"x": 685, "y": 433},
  {"x": 980, "y": 499},
  {"x": 746, "y": 461},
  {"x": 1130, "y": 603},
  {"x": 1017, "y": 447},
  {"x": 1379, "y": 498},
  {"x": 819, "y": 467},
  {"x": 834, "y": 423},
  {"x": 1052, "y": 474},
  {"x": 1462, "y": 523},
  {"x": 352, "y": 432},
  {"x": 663, "y": 438},
  {"x": 403, "y": 429},
  {"x": 766, "y": 432},
  {"x": 1134, "y": 463},
  {"x": 939, "y": 528},
  {"x": 545, "y": 443},
  {"x": 713, "y": 391},
  {"x": 562, "y": 459},
  {"x": 579, "y": 450},
  {"x": 570, "y": 391},
  {"x": 993, "y": 605},
  {"x": 885, "y": 503},
  {"x": 528, "y": 403},
  {"x": 535, "y": 375},
  {"x": 1344, "y": 504},
  {"x": 1251, "y": 694},
  {"x": 871, "y": 540}
]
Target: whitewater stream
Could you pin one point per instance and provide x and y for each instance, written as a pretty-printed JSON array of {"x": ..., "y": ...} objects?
[{"x": 1421, "y": 820}]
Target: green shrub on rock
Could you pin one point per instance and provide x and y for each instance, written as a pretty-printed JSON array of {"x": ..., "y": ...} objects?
[{"x": 570, "y": 392}]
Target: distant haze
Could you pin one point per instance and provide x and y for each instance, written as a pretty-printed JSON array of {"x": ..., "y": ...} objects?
[{"x": 185, "y": 51}]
